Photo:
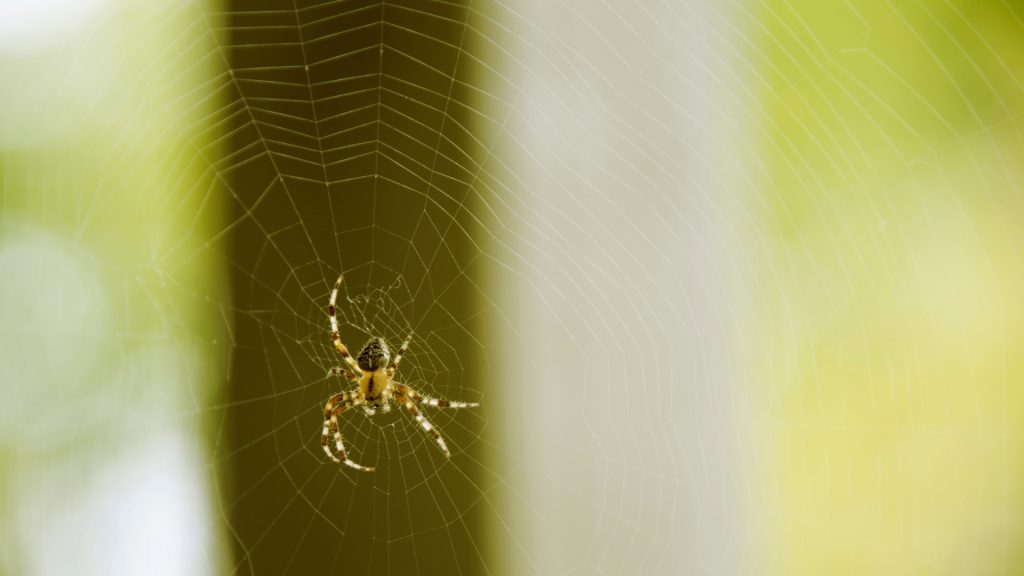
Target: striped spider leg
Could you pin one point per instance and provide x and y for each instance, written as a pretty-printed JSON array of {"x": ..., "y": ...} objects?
[
  {"x": 335, "y": 337},
  {"x": 409, "y": 398},
  {"x": 373, "y": 372},
  {"x": 344, "y": 400}
]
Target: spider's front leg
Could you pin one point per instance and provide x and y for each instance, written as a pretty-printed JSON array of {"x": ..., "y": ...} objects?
[
  {"x": 409, "y": 397},
  {"x": 372, "y": 411},
  {"x": 344, "y": 400},
  {"x": 424, "y": 423},
  {"x": 438, "y": 402}
]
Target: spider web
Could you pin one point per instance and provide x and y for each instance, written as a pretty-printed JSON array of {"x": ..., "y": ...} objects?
[
  {"x": 734, "y": 283},
  {"x": 373, "y": 139}
]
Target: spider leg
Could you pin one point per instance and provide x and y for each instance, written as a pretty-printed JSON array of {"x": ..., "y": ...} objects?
[
  {"x": 438, "y": 402},
  {"x": 339, "y": 371},
  {"x": 345, "y": 400},
  {"x": 335, "y": 337},
  {"x": 424, "y": 423},
  {"x": 342, "y": 398},
  {"x": 384, "y": 409},
  {"x": 401, "y": 351}
]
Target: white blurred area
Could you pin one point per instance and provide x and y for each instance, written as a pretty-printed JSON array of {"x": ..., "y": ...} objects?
[
  {"x": 100, "y": 472},
  {"x": 58, "y": 76},
  {"x": 617, "y": 312},
  {"x": 749, "y": 323},
  {"x": 28, "y": 26},
  {"x": 100, "y": 477}
]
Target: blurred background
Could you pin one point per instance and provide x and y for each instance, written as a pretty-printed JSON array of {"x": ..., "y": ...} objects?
[{"x": 736, "y": 284}]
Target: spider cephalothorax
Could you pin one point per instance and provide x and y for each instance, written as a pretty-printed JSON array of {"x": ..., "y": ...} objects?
[{"x": 374, "y": 371}]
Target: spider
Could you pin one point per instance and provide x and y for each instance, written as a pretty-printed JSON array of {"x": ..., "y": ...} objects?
[{"x": 373, "y": 370}]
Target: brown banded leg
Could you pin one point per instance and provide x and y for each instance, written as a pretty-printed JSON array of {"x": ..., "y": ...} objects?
[
  {"x": 438, "y": 402},
  {"x": 339, "y": 371},
  {"x": 342, "y": 398},
  {"x": 335, "y": 337},
  {"x": 331, "y": 413},
  {"x": 424, "y": 423},
  {"x": 401, "y": 352}
]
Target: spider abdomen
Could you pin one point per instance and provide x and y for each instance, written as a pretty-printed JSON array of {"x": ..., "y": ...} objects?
[{"x": 374, "y": 356}]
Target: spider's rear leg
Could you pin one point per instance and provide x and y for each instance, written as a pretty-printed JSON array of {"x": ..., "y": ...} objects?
[
  {"x": 335, "y": 337},
  {"x": 400, "y": 353},
  {"x": 345, "y": 400}
]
